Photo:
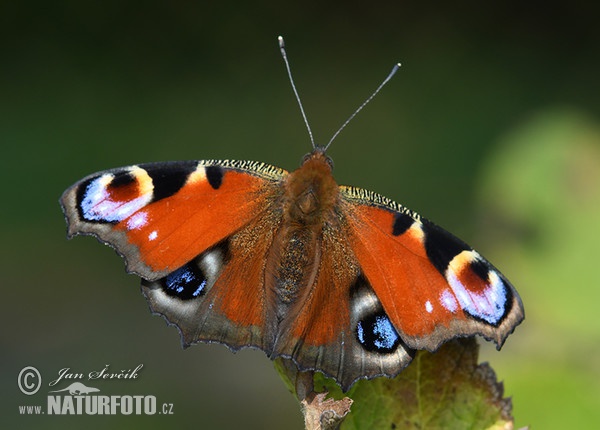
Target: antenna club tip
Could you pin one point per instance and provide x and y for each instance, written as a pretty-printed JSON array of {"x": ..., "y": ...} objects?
[
  {"x": 397, "y": 64},
  {"x": 281, "y": 42}
]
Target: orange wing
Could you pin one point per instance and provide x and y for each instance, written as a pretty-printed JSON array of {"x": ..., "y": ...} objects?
[
  {"x": 196, "y": 232},
  {"x": 432, "y": 286},
  {"x": 160, "y": 216}
]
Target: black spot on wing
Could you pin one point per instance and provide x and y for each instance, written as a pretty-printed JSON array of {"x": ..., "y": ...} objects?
[
  {"x": 402, "y": 222},
  {"x": 481, "y": 269},
  {"x": 122, "y": 179},
  {"x": 168, "y": 178},
  {"x": 185, "y": 283},
  {"x": 214, "y": 175},
  {"x": 441, "y": 246},
  {"x": 376, "y": 333}
]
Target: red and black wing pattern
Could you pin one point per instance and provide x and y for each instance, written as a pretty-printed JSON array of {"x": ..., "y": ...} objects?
[
  {"x": 432, "y": 286},
  {"x": 181, "y": 226}
]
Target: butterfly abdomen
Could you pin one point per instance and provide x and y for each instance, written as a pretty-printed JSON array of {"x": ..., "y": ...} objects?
[{"x": 295, "y": 258}]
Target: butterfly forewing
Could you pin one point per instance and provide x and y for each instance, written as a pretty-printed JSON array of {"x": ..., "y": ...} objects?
[{"x": 160, "y": 216}]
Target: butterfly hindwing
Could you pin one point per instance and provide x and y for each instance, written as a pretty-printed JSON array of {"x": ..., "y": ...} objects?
[
  {"x": 222, "y": 295},
  {"x": 433, "y": 287}
]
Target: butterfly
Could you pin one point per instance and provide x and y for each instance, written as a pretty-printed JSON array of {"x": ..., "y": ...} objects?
[{"x": 338, "y": 279}]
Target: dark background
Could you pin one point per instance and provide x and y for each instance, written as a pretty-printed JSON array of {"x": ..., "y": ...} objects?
[{"x": 490, "y": 129}]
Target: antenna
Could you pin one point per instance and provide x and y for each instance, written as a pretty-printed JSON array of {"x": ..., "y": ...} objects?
[
  {"x": 289, "y": 72},
  {"x": 312, "y": 140},
  {"x": 385, "y": 81}
]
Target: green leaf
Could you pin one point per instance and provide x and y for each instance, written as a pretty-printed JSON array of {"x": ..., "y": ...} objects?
[{"x": 442, "y": 390}]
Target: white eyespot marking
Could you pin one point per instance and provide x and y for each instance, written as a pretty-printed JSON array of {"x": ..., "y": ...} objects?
[
  {"x": 99, "y": 204},
  {"x": 364, "y": 302},
  {"x": 177, "y": 307},
  {"x": 428, "y": 306},
  {"x": 448, "y": 301},
  {"x": 153, "y": 235},
  {"x": 137, "y": 220},
  {"x": 211, "y": 263},
  {"x": 488, "y": 303}
]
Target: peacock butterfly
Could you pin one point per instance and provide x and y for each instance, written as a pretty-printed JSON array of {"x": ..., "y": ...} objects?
[{"x": 339, "y": 279}]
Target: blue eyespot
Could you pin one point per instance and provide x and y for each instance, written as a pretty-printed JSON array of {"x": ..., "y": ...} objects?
[
  {"x": 376, "y": 333},
  {"x": 187, "y": 282}
]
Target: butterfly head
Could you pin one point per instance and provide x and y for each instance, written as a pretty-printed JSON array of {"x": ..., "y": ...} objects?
[{"x": 318, "y": 155}]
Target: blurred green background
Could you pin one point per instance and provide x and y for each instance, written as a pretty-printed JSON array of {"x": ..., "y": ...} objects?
[{"x": 491, "y": 129}]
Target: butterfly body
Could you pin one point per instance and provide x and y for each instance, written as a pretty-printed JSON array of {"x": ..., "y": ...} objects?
[{"x": 338, "y": 279}]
